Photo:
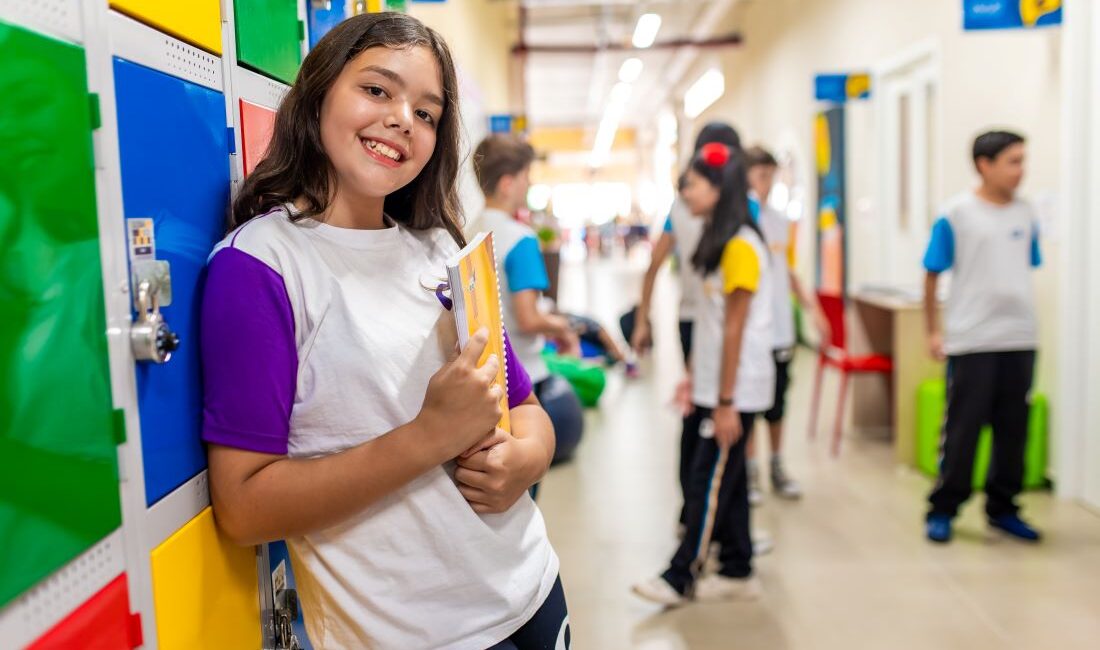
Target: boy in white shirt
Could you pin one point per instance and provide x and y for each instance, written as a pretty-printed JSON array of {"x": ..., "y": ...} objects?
[
  {"x": 989, "y": 240},
  {"x": 502, "y": 164},
  {"x": 777, "y": 229}
]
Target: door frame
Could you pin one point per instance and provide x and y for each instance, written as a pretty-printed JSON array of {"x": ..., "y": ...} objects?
[
  {"x": 912, "y": 70},
  {"x": 1077, "y": 454}
]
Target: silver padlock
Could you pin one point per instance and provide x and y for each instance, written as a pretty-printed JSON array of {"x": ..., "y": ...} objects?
[
  {"x": 286, "y": 612},
  {"x": 150, "y": 337}
]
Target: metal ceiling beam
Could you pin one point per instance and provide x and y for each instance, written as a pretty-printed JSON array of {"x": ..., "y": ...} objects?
[{"x": 729, "y": 40}]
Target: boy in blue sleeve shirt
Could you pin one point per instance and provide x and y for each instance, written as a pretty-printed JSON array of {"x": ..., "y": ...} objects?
[
  {"x": 502, "y": 164},
  {"x": 989, "y": 240}
]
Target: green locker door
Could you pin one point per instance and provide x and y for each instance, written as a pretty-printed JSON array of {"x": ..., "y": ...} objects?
[
  {"x": 269, "y": 36},
  {"x": 58, "y": 465}
]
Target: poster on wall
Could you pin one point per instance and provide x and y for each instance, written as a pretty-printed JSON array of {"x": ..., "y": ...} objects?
[
  {"x": 839, "y": 88},
  {"x": 832, "y": 248},
  {"x": 1011, "y": 14}
]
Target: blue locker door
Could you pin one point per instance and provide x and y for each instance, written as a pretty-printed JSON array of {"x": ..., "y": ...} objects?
[
  {"x": 278, "y": 553},
  {"x": 321, "y": 20},
  {"x": 175, "y": 170}
]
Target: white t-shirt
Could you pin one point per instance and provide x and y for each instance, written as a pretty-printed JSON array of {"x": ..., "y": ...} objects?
[
  {"x": 990, "y": 251},
  {"x": 777, "y": 230},
  {"x": 686, "y": 229},
  {"x": 744, "y": 265},
  {"x": 521, "y": 268},
  {"x": 419, "y": 569}
]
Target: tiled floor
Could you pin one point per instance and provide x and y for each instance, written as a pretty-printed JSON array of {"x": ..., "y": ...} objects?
[{"x": 851, "y": 568}]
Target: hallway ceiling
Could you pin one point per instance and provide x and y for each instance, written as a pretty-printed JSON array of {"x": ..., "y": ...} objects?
[{"x": 590, "y": 39}]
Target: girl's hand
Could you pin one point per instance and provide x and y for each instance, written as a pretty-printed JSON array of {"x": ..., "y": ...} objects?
[
  {"x": 488, "y": 442},
  {"x": 494, "y": 479},
  {"x": 569, "y": 344},
  {"x": 641, "y": 339},
  {"x": 681, "y": 399},
  {"x": 727, "y": 426},
  {"x": 462, "y": 402}
]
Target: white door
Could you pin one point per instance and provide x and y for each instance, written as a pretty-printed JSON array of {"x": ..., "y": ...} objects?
[{"x": 906, "y": 96}]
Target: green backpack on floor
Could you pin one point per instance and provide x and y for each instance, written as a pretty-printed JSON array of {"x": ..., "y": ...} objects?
[{"x": 588, "y": 380}]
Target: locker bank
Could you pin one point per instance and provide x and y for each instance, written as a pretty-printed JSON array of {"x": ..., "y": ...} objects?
[{"x": 126, "y": 127}]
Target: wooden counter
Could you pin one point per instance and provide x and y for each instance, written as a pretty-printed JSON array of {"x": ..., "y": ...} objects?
[{"x": 891, "y": 322}]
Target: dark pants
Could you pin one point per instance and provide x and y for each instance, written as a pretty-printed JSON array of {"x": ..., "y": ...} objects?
[
  {"x": 548, "y": 629},
  {"x": 987, "y": 387},
  {"x": 782, "y": 358},
  {"x": 686, "y": 328},
  {"x": 689, "y": 434},
  {"x": 730, "y": 513},
  {"x": 689, "y": 440}
]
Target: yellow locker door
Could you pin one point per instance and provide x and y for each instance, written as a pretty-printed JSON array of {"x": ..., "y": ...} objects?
[
  {"x": 205, "y": 590},
  {"x": 198, "y": 22}
]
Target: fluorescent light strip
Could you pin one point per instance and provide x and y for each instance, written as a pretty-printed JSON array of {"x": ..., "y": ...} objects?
[
  {"x": 645, "y": 32},
  {"x": 609, "y": 125},
  {"x": 705, "y": 91},
  {"x": 630, "y": 70}
]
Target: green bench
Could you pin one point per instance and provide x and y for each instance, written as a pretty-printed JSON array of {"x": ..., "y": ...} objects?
[{"x": 931, "y": 402}]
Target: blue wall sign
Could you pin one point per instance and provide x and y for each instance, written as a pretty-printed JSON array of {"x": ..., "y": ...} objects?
[{"x": 1011, "y": 14}]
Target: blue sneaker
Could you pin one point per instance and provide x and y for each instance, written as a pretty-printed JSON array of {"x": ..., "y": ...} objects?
[
  {"x": 1013, "y": 526},
  {"x": 938, "y": 528}
]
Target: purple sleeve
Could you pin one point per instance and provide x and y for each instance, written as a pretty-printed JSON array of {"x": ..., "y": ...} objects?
[
  {"x": 519, "y": 382},
  {"x": 249, "y": 356}
]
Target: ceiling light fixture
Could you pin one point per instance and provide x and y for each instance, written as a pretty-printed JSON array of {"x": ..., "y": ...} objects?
[
  {"x": 609, "y": 125},
  {"x": 630, "y": 70},
  {"x": 645, "y": 32},
  {"x": 705, "y": 91}
]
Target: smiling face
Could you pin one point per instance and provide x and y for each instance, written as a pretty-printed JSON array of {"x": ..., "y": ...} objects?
[{"x": 379, "y": 120}]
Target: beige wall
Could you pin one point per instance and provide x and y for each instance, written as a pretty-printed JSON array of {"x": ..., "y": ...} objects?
[
  {"x": 481, "y": 35},
  {"x": 1009, "y": 78}
]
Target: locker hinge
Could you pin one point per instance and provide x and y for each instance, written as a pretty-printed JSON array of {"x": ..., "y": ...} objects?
[
  {"x": 301, "y": 30},
  {"x": 137, "y": 639},
  {"x": 93, "y": 110},
  {"x": 231, "y": 136},
  {"x": 118, "y": 422}
]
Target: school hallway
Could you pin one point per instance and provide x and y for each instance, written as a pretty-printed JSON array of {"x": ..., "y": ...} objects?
[{"x": 851, "y": 567}]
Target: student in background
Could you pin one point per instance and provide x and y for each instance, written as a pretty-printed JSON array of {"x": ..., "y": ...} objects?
[
  {"x": 778, "y": 231},
  {"x": 989, "y": 240},
  {"x": 502, "y": 164},
  {"x": 681, "y": 233},
  {"x": 733, "y": 377}
]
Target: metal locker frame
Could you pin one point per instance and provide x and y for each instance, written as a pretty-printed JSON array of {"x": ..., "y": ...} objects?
[
  {"x": 145, "y": 528},
  {"x": 261, "y": 90},
  {"x": 104, "y": 33},
  {"x": 46, "y": 604}
]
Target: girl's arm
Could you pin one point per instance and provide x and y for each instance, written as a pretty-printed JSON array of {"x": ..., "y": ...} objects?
[
  {"x": 532, "y": 427},
  {"x": 260, "y": 497},
  {"x": 640, "y": 341},
  {"x": 727, "y": 425},
  {"x": 492, "y": 480}
]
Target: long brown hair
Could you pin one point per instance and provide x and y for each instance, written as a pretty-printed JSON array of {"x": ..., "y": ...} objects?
[{"x": 296, "y": 164}]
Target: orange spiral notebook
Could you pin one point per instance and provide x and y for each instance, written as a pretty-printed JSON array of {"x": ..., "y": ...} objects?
[{"x": 475, "y": 291}]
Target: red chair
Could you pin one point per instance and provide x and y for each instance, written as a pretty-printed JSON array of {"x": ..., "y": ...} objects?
[{"x": 835, "y": 353}]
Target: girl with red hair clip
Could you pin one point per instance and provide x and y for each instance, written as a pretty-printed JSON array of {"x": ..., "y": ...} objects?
[{"x": 732, "y": 381}]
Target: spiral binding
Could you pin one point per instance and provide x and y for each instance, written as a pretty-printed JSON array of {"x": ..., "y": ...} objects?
[{"x": 500, "y": 306}]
